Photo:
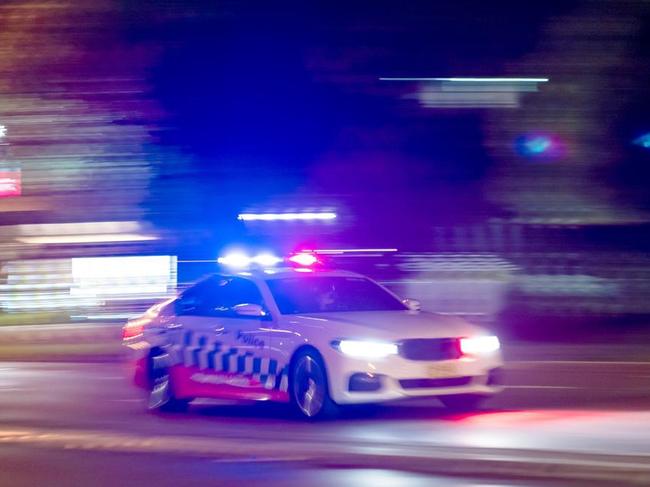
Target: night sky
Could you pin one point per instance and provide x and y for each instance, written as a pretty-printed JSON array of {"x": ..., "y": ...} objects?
[{"x": 271, "y": 105}]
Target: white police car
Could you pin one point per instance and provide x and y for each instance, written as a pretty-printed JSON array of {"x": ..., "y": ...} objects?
[{"x": 310, "y": 336}]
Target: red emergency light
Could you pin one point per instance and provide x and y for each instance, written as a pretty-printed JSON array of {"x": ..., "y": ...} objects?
[{"x": 304, "y": 259}]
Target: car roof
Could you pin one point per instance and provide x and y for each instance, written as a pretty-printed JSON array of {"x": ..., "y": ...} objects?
[{"x": 286, "y": 272}]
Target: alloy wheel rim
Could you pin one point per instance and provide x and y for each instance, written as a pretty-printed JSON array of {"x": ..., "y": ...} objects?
[
  {"x": 160, "y": 393},
  {"x": 309, "y": 388}
]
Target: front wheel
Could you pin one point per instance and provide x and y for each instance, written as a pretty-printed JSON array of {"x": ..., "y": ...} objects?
[
  {"x": 308, "y": 387},
  {"x": 462, "y": 402}
]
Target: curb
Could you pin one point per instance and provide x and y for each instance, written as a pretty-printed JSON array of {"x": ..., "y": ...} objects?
[
  {"x": 61, "y": 333},
  {"x": 501, "y": 465}
]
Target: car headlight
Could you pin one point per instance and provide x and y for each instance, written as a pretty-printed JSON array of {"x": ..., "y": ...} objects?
[
  {"x": 365, "y": 349},
  {"x": 480, "y": 345}
]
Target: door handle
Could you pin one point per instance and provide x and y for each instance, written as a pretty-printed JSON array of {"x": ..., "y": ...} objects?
[
  {"x": 219, "y": 331},
  {"x": 174, "y": 326}
]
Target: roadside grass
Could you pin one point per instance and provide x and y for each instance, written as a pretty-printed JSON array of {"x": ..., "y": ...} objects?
[{"x": 61, "y": 352}]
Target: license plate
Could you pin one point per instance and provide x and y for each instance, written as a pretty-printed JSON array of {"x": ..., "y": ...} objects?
[{"x": 442, "y": 370}]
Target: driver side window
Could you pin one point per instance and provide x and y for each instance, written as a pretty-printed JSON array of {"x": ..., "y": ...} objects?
[{"x": 218, "y": 296}]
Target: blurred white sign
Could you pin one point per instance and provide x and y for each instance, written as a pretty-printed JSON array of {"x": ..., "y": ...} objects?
[{"x": 135, "y": 276}]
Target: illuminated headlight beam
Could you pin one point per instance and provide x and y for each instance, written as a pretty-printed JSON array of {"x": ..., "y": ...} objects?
[
  {"x": 365, "y": 349},
  {"x": 479, "y": 345},
  {"x": 286, "y": 216}
]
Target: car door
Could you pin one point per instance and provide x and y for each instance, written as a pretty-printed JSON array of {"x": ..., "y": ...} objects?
[{"x": 223, "y": 354}]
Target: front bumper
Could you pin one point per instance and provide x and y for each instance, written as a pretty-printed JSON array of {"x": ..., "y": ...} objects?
[{"x": 359, "y": 381}]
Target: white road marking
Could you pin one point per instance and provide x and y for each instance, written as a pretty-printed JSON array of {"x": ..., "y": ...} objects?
[{"x": 571, "y": 362}]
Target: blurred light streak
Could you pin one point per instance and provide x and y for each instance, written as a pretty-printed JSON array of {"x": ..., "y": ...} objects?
[
  {"x": 98, "y": 285},
  {"x": 479, "y": 92},
  {"x": 10, "y": 183},
  {"x": 131, "y": 275},
  {"x": 444, "y": 99},
  {"x": 286, "y": 216},
  {"x": 3, "y": 130},
  {"x": 344, "y": 251},
  {"x": 473, "y": 80},
  {"x": 79, "y": 228},
  {"x": 235, "y": 259},
  {"x": 539, "y": 146},
  {"x": 303, "y": 259},
  {"x": 266, "y": 260},
  {"x": 107, "y": 316},
  {"x": 71, "y": 239},
  {"x": 643, "y": 141}
]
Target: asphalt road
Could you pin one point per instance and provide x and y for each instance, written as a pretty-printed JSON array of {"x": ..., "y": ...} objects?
[
  {"x": 68, "y": 423},
  {"x": 24, "y": 467}
]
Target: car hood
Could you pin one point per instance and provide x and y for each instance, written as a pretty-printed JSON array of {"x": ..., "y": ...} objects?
[{"x": 388, "y": 325}]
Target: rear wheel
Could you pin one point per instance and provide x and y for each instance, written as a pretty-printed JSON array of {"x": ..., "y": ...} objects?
[
  {"x": 308, "y": 387},
  {"x": 161, "y": 388},
  {"x": 462, "y": 402}
]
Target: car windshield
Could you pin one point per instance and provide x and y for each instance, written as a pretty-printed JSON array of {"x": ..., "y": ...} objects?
[{"x": 320, "y": 294}]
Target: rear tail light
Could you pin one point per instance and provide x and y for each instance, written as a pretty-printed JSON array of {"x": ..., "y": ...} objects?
[{"x": 133, "y": 329}]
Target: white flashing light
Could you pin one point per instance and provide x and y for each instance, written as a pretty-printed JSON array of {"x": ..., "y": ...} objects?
[
  {"x": 240, "y": 260},
  {"x": 3, "y": 131},
  {"x": 235, "y": 259},
  {"x": 327, "y": 215},
  {"x": 266, "y": 260},
  {"x": 473, "y": 80},
  {"x": 368, "y": 350},
  {"x": 480, "y": 345}
]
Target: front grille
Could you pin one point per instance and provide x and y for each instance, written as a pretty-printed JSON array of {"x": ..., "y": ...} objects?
[
  {"x": 430, "y": 349},
  {"x": 433, "y": 383}
]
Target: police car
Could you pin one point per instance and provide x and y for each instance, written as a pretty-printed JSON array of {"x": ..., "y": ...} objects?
[{"x": 309, "y": 336}]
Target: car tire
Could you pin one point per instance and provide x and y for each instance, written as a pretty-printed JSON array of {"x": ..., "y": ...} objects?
[
  {"x": 161, "y": 395},
  {"x": 308, "y": 387},
  {"x": 462, "y": 402}
]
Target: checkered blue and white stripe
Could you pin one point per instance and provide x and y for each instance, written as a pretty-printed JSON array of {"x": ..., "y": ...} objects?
[{"x": 207, "y": 353}]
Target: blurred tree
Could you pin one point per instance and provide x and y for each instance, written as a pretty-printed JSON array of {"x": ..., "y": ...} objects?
[
  {"x": 590, "y": 57},
  {"x": 74, "y": 98}
]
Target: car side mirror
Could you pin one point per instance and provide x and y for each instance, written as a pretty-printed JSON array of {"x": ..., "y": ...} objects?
[
  {"x": 251, "y": 310},
  {"x": 412, "y": 304}
]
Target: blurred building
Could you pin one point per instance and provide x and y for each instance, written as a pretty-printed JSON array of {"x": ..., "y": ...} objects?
[{"x": 75, "y": 159}]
